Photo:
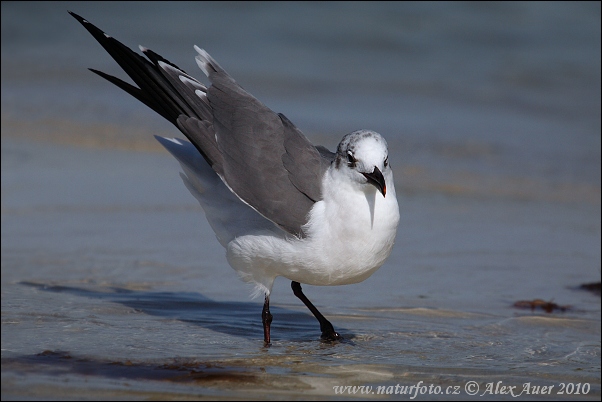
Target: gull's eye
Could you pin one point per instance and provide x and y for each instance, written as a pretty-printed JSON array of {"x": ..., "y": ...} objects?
[
  {"x": 351, "y": 160},
  {"x": 387, "y": 161}
]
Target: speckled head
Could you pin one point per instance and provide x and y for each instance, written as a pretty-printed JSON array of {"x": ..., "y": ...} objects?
[
  {"x": 365, "y": 153},
  {"x": 365, "y": 145}
]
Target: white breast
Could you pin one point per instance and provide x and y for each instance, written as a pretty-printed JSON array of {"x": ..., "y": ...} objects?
[
  {"x": 354, "y": 230},
  {"x": 350, "y": 234}
]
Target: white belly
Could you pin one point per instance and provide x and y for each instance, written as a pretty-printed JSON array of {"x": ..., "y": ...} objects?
[{"x": 347, "y": 240}]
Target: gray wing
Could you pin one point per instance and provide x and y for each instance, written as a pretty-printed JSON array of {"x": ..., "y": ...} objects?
[
  {"x": 260, "y": 155},
  {"x": 304, "y": 162}
]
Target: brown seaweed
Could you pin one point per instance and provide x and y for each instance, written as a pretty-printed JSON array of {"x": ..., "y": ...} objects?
[{"x": 547, "y": 306}]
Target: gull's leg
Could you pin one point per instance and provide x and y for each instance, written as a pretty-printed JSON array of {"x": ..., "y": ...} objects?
[
  {"x": 328, "y": 332},
  {"x": 266, "y": 318}
]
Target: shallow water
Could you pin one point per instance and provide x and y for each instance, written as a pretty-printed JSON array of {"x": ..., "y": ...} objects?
[{"x": 114, "y": 286}]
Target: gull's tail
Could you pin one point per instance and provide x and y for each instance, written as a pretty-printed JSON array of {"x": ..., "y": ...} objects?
[{"x": 227, "y": 215}]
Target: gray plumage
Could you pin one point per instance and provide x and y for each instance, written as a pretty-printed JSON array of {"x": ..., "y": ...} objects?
[{"x": 260, "y": 155}]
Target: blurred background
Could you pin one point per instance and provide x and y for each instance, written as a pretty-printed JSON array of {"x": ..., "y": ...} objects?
[
  {"x": 502, "y": 99},
  {"x": 492, "y": 115}
]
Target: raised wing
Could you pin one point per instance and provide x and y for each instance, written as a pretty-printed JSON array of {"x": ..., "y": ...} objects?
[{"x": 260, "y": 155}]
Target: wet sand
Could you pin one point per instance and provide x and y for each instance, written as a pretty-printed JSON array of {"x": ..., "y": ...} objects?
[{"x": 113, "y": 286}]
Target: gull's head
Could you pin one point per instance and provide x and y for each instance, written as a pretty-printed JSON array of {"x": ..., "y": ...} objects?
[{"x": 363, "y": 156}]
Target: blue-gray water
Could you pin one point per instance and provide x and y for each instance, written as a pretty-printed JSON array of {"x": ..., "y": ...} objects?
[{"x": 113, "y": 285}]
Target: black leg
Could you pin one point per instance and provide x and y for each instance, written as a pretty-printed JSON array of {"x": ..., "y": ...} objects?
[
  {"x": 328, "y": 332},
  {"x": 266, "y": 318}
]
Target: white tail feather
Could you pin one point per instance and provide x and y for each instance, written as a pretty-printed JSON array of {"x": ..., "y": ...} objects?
[{"x": 228, "y": 216}]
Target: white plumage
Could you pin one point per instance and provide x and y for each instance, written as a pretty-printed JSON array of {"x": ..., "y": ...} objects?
[{"x": 350, "y": 233}]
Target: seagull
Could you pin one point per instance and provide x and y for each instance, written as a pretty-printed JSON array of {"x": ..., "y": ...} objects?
[{"x": 279, "y": 205}]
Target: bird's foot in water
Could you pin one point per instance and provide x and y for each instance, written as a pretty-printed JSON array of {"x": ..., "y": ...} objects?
[
  {"x": 331, "y": 336},
  {"x": 328, "y": 332}
]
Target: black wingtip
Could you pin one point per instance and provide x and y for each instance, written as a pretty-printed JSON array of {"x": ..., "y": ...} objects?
[
  {"x": 81, "y": 19},
  {"x": 154, "y": 90}
]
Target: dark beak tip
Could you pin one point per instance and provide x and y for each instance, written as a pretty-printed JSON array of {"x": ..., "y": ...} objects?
[{"x": 377, "y": 180}]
